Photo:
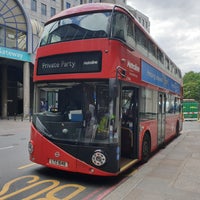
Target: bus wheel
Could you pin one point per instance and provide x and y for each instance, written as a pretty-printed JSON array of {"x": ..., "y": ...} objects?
[{"x": 146, "y": 148}]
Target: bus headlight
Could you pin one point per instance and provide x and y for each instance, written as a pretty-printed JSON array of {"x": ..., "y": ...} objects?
[
  {"x": 98, "y": 158},
  {"x": 30, "y": 147}
]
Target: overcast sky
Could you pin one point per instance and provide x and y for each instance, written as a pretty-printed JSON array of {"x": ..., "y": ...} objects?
[{"x": 175, "y": 26}]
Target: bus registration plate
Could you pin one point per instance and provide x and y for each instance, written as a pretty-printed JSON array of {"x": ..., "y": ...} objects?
[{"x": 58, "y": 163}]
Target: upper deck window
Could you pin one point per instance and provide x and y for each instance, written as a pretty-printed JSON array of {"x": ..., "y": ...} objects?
[
  {"x": 77, "y": 28},
  {"x": 123, "y": 28}
]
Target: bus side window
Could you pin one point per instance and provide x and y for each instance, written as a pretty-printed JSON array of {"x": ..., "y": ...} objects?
[
  {"x": 119, "y": 22},
  {"x": 130, "y": 38}
]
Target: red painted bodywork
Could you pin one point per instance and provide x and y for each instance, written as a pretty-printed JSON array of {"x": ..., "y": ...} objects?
[
  {"x": 45, "y": 150},
  {"x": 114, "y": 54}
]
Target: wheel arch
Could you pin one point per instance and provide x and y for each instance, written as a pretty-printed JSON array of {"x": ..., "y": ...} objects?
[{"x": 145, "y": 139}]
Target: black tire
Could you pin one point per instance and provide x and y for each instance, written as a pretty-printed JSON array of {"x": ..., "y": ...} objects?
[{"x": 146, "y": 148}]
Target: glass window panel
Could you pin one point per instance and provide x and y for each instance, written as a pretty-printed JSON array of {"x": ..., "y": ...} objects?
[
  {"x": 2, "y": 36},
  {"x": 53, "y": 11},
  {"x": 21, "y": 40},
  {"x": 43, "y": 9},
  {"x": 11, "y": 38},
  {"x": 33, "y": 5}
]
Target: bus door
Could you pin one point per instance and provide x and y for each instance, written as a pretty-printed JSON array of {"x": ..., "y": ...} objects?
[
  {"x": 129, "y": 126},
  {"x": 161, "y": 117}
]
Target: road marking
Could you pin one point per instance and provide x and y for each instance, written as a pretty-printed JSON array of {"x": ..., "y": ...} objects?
[
  {"x": 93, "y": 194},
  {"x": 52, "y": 189},
  {"x": 26, "y": 166},
  {"x": 35, "y": 181},
  {"x": 4, "y": 148},
  {"x": 52, "y": 193}
]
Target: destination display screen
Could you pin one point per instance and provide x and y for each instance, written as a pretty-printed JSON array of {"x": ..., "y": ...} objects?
[{"x": 70, "y": 63}]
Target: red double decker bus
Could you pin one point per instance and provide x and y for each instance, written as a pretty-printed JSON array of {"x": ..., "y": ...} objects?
[{"x": 105, "y": 94}]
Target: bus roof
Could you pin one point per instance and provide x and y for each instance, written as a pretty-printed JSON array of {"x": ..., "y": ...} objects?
[
  {"x": 82, "y": 9},
  {"x": 93, "y": 7}
]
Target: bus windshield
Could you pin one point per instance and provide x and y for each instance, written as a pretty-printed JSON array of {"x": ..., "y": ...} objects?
[
  {"x": 86, "y": 26},
  {"x": 75, "y": 112}
]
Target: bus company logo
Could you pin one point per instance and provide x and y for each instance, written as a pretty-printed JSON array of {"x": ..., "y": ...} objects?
[
  {"x": 133, "y": 67},
  {"x": 57, "y": 154},
  {"x": 92, "y": 62}
]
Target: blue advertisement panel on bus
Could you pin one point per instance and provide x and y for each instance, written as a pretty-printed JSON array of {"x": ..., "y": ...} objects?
[{"x": 157, "y": 78}]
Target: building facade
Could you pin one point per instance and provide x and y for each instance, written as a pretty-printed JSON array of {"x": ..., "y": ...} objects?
[
  {"x": 16, "y": 61},
  {"x": 142, "y": 19},
  {"x": 42, "y": 10},
  {"x": 21, "y": 25}
]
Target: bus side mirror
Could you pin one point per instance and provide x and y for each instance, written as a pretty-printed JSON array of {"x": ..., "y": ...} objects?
[{"x": 120, "y": 71}]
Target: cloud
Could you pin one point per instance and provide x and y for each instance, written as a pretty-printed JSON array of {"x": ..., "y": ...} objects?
[{"x": 175, "y": 28}]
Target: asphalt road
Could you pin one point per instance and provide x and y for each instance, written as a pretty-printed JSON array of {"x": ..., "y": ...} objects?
[{"x": 21, "y": 179}]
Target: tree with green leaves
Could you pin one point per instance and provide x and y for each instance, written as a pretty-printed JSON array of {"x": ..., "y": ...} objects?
[{"x": 191, "y": 86}]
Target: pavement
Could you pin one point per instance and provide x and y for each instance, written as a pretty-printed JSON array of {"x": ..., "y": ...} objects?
[
  {"x": 173, "y": 173},
  {"x": 12, "y": 125}
]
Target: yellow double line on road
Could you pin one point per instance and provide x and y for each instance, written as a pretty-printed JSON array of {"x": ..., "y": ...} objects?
[
  {"x": 33, "y": 181},
  {"x": 26, "y": 166}
]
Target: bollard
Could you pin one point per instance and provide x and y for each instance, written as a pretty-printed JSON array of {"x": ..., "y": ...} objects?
[
  {"x": 30, "y": 118},
  {"x": 15, "y": 115}
]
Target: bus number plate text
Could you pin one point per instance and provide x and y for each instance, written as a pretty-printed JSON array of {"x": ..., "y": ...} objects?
[{"x": 58, "y": 163}]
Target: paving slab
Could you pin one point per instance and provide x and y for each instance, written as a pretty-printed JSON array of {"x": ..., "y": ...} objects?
[{"x": 173, "y": 173}]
